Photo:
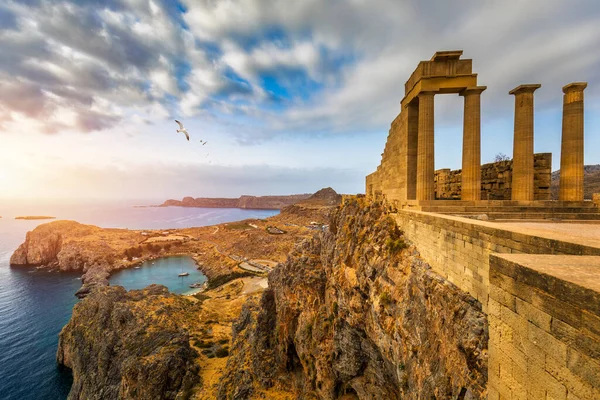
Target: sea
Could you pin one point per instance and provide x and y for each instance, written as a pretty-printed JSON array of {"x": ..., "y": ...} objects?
[{"x": 35, "y": 305}]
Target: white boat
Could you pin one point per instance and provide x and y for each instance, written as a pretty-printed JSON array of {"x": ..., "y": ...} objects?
[{"x": 184, "y": 274}]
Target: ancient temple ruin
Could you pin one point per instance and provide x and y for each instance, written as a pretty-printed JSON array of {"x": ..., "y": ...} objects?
[{"x": 407, "y": 175}]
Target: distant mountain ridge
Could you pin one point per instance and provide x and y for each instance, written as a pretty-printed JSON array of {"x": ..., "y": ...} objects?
[
  {"x": 591, "y": 178},
  {"x": 248, "y": 202}
]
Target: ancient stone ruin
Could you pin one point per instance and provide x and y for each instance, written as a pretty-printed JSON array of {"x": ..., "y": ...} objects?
[{"x": 407, "y": 176}]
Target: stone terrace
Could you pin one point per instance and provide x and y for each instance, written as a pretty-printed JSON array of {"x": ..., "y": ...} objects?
[{"x": 539, "y": 283}]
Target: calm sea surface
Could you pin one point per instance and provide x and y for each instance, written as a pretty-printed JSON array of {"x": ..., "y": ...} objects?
[{"x": 34, "y": 305}]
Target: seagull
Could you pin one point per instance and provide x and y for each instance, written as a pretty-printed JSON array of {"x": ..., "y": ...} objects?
[
  {"x": 182, "y": 129},
  {"x": 204, "y": 143}
]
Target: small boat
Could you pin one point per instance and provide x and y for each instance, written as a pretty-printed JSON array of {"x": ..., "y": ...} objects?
[
  {"x": 138, "y": 267},
  {"x": 183, "y": 274},
  {"x": 196, "y": 285}
]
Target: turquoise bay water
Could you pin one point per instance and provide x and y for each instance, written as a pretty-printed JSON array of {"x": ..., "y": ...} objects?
[
  {"x": 35, "y": 305},
  {"x": 164, "y": 271}
]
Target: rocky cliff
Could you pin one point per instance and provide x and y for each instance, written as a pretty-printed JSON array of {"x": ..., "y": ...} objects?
[
  {"x": 130, "y": 345},
  {"x": 354, "y": 312},
  {"x": 251, "y": 202}
]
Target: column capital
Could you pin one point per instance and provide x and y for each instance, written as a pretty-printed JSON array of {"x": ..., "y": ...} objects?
[
  {"x": 528, "y": 88},
  {"x": 574, "y": 87},
  {"x": 427, "y": 93},
  {"x": 472, "y": 90}
]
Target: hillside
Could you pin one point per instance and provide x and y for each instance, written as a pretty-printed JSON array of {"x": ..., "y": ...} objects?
[
  {"x": 253, "y": 202},
  {"x": 591, "y": 177}
]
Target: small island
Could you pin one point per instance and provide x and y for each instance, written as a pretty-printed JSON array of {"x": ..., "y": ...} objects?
[{"x": 34, "y": 217}]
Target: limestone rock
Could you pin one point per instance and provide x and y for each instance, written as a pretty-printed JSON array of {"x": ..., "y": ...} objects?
[
  {"x": 121, "y": 345},
  {"x": 356, "y": 312}
]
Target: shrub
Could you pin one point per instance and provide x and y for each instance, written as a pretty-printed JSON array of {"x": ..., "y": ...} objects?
[
  {"x": 222, "y": 352},
  {"x": 385, "y": 298},
  {"x": 396, "y": 245},
  {"x": 223, "y": 279}
]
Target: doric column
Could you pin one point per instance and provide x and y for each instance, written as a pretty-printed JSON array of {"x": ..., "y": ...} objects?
[
  {"x": 522, "y": 174},
  {"x": 412, "y": 118},
  {"x": 425, "y": 148},
  {"x": 471, "y": 161},
  {"x": 571, "y": 155}
]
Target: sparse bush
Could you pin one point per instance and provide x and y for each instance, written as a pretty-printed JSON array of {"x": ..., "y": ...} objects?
[
  {"x": 222, "y": 352},
  {"x": 385, "y": 298},
  {"x": 396, "y": 245},
  {"x": 501, "y": 157}
]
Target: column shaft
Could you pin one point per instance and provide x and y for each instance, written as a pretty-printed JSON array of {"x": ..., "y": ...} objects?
[
  {"x": 471, "y": 162},
  {"x": 411, "y": 152},
  {"x": 522, "y": 174},
  {"x": 425, "y": 151},
  {"x": 571, "y": 156}
]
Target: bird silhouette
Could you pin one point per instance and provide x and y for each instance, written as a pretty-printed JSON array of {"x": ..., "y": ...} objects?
[{"x": 183, "y": 130}]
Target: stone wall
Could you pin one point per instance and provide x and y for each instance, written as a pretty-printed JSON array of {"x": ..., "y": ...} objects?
[
  {"x": 458, "y": 249},
  {"x": 496, "y": 180},
  {"x": 541, "y": 296},
  {"x": 544, "y": 322}
]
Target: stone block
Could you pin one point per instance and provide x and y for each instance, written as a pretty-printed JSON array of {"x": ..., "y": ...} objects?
[
  {"x": 575, "y": 338},
  {"x": 546, "y": 341},
  {"x": 584, "y": 367},
  {"x": 534, "y": 315}
]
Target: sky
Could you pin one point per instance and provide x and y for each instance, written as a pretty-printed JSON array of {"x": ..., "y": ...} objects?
[{"x": 291, "y": 96}]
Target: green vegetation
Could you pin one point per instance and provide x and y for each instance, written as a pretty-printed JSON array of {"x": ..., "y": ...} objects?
[
  {"x": 385, "y": 298},
  {"x": 202, "y": 344},
  {"x": 223, "y": 279},
  {"x": 153, "y": 248},
  {"x": 222, "y": 352},
  {"x": 134, "y": 252},
  {"x": 201, "y": 296},
  {"x": 238, "y": 226},
  {"x": 395, "y": 245}
]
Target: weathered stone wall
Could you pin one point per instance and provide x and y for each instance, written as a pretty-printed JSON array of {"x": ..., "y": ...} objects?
[
  {"x": 496, "y": 179},
  {"x": 544, "y": 329},
  {"x": 458, "y": 249},
  {"x": 544, "y": 320}
]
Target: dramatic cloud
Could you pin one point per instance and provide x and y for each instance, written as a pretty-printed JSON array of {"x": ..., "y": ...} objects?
[
  {"x": 282, "y": 67},
  {"x": 268, "y": 73}
]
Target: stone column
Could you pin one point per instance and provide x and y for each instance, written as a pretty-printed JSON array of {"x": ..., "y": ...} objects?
[
  {"x": 522, "y": 174},
  {"x": 425, "y": 148},
  {"x": 571, "y": 156},
  {"x": 411, "y": 149},
  {"x": 471, "y": 162}
]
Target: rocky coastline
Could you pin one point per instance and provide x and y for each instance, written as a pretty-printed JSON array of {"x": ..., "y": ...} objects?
[
  {"x": 245, "y": 202},
  {"x": 350, "y": 312}
]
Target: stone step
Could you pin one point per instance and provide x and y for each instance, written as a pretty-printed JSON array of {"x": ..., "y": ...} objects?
[
  {"x": 533, "y": 216},
  {"x": 478, "y": 209}
]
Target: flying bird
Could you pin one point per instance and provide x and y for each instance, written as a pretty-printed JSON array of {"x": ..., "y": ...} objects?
[
  {"x": 204, "y": 143},
  {"x": 183, "y": 130}
]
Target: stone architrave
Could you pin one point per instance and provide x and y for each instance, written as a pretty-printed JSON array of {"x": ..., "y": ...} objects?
[
  {"x": 571, "y": 156},
  {"x": 425, "y": 148},
  {"x": 523, "y": 172},
  {"x": 471, "y": 162}
]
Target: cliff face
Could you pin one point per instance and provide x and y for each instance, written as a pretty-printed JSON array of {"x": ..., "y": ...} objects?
[
  {"x": 256, "y": 202},
  {"x": 132, "y": 345},
  {"x": 355, "y": 312}
]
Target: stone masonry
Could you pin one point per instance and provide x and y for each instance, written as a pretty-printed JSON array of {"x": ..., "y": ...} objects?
[
  {"x": 407, "y": 176},
  {"x": 571, "y": 160},
  {"x": 496, "y": 180}
]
